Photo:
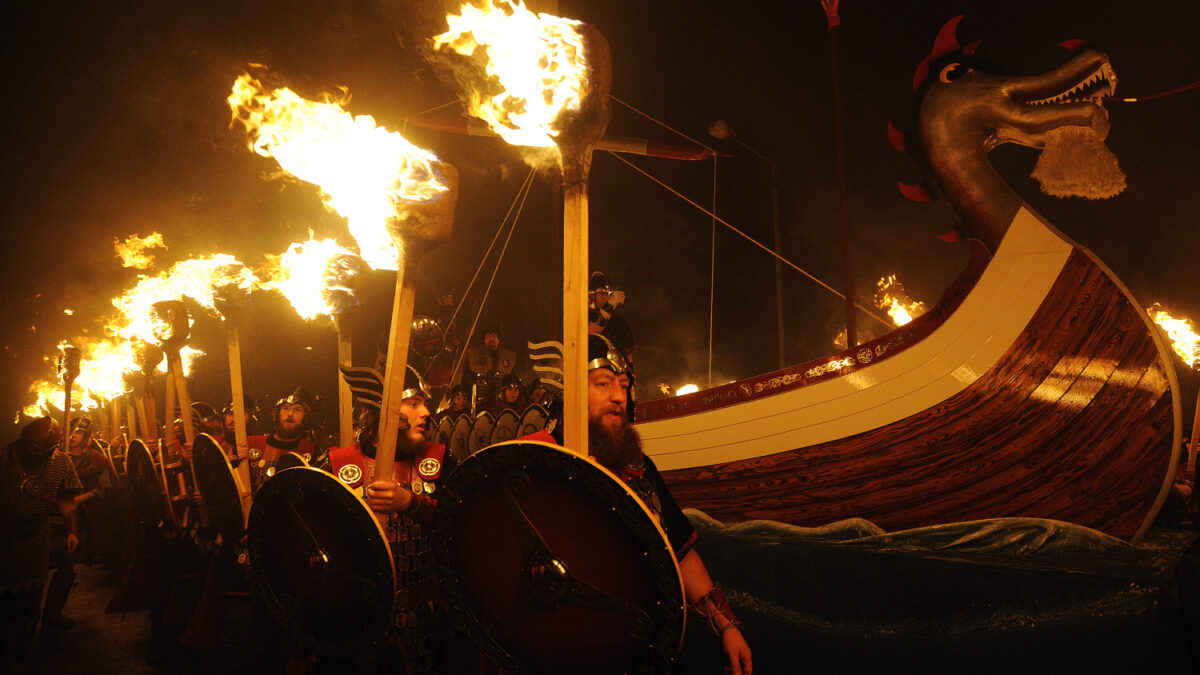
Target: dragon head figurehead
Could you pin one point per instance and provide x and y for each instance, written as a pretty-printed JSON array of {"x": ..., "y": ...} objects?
[{"x": 966, "y": 108}]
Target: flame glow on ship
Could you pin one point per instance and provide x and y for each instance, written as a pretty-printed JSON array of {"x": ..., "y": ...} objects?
[
  {"x": 1184, "y": 339},
  {"x": 891, "y": 297}
]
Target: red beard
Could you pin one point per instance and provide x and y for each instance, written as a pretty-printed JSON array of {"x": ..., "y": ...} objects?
[{"x": 614, "y": 449}]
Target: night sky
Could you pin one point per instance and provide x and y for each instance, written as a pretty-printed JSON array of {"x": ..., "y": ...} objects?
[{"x": 117, "y": 125}]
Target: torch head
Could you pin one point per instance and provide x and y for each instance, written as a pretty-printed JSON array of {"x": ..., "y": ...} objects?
[
  {"x": 147, "y": 356},
  {"x": 583, "y": 128},
  {"x": 232, "y": 297},
  {"x": 417, "y": 227},
  {"x": 173, "y": 325},
  {"x": 68, "y": 362}
]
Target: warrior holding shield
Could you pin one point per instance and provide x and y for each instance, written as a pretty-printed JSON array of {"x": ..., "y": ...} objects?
[{"x": 409, "y": 496}]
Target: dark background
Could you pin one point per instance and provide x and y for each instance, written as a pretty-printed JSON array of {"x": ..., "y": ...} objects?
[{"x": 117, "y": 124}]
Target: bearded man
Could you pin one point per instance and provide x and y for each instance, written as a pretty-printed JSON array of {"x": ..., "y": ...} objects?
[
  {"x": 293, "y": 417},
  {"x": 97, "y": 480},
  {"x": 408, "y": 495},
  {"x": 37, "y": 482},
  {"x": 615, "y": 445}
]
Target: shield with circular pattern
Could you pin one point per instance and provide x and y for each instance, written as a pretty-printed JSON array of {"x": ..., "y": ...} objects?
[
  {"x": 321, "y": 563},
  {"x": 481, "y": 432},
  {"x": 214, "y": 477},
  {"x": 552, "y": 565},
  {"x": 506, "y": 427},
  {"x": 144, "y": 484},
  {"x": 533, "y": 420},
  {"x": 460, "y": 438}
]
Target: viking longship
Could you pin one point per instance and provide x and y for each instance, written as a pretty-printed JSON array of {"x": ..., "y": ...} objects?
[{"x": 1036, "y": 387}]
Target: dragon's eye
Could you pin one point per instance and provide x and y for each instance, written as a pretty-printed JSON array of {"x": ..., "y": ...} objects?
[{"x": 952, "y": 72}]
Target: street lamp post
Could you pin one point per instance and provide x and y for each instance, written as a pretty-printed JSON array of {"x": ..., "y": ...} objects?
[{"x": 721, "y": 130}]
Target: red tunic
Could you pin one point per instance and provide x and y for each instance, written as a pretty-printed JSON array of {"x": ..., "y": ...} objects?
[
  {"x": 419, "y": 473},
  {"x": 342, "y": 461},
  {"x": 272, "y": 452}
]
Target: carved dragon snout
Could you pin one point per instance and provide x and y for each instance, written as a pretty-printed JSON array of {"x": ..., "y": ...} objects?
[{"x": 965, "y": 112}]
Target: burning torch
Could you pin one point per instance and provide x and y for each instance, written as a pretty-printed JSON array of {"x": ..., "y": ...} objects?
[
  {"x": 172, "y": 329},
  {"x": 541, "y": 82},
  {"x": 68, "y": 370},
  {"x": 318, "y": 278}
]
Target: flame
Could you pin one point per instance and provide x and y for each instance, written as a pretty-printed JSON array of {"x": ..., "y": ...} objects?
[
  {"x": 204, "y": 280},
  {"x": 133, "y": 251},
  {"x": 891, "y": 297},
  {"x": 534, "y": 68},
  {"x": 1184, "y": 339},
  {"x": 101, "y": 378},
  {"x": 105, "y": 362},
  {"x": 367, "y": 174},
  {"x": 317, "y": 277},
  {"x": 687, "y": 389}
]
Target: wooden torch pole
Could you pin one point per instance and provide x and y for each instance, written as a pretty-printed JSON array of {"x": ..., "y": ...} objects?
[
  {"x": 393, "y": 379},
  {"x": 345, "y": 359},
  {"x": 131, "y": 405},
  {"x": 575, "y": 279},
  {"x": 241, "y": 472},
  {"x": 115, "y": 408}
]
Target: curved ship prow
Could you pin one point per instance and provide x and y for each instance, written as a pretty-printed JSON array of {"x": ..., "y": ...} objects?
[{"x": 1046, "y": 393}]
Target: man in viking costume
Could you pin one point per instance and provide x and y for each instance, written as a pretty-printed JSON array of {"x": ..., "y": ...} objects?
[
  {"x": 37, "y": 483},
  {"x": 97, "y": 482},
  {"x": 293, "y": 417},
  {"x": 409, "y": 496},
  {"x": 615, "y": 444}
]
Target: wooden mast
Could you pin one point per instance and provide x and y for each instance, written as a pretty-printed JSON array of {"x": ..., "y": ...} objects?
[{"x": 831, "y": 13}]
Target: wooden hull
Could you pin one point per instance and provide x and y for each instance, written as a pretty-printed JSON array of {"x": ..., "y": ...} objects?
[{"x": 1044, "y": 391}]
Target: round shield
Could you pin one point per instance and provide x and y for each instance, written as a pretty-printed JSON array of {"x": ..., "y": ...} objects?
[
  {"x": 117, "y": 457},
  {"x": 289, "y": 460},
  {"x": 426, "y": 337},
  {"x": 144, "y": 486},
  {"x": 551, "y": 564},
  {"x": 506, "y": 427},
  {"x": 533, "y": 420},
  {"x": 481, "y": 432},
  {"x": 321, "y": 562},
  {"x": 111, "y": 469},
  {"x": 214, "y": 478},
  {"x": 460, "y": 438},
  {"x": 445, "y": 427}
]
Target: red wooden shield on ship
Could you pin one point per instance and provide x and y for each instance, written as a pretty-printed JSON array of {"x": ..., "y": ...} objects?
[
  {"x": 321, "y": 562},
  {"x": 214, "y": 477},
  {"x": 552, "y": 565}
]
